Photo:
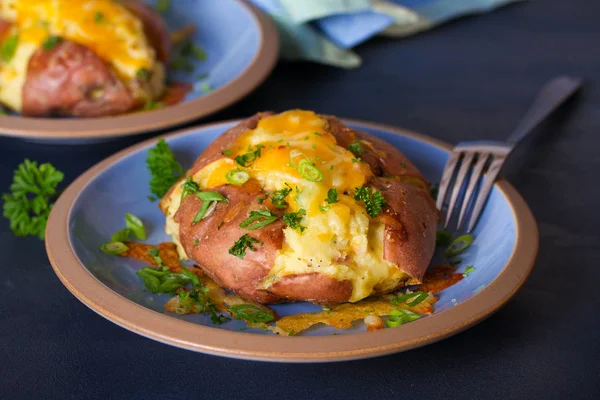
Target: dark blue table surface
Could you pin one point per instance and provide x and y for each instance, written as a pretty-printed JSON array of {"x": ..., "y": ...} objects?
[{"x": 466, "y": 80}]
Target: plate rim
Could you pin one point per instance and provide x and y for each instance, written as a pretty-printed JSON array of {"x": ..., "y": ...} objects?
[
  {"x": 151, "y": 324},
  {"x": 136, "y": 123}
]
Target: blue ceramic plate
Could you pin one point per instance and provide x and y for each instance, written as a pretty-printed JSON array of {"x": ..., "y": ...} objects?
[
  {"x": 241, "y": 44},
  {"x": 94, "y": 206}
]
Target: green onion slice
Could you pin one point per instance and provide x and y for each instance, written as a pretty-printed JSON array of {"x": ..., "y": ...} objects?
[
  {"x": 237, "y": 177},
  {"x": 121, "y": 235},
  {"x": 258, "y": 219},
  {"x": 208, "y": 199},
  {"x": 418, "y": 298},
  {"x": 136, "y": 225},
  {"x": 308, "y": 171},
  {"x": 400, "y": 316},
  {"x": 459, "y": 245},
  {"x": 114, "y": 248},
  {"x": 251, "y": 313},
  {"x": 295, "y": 154}
]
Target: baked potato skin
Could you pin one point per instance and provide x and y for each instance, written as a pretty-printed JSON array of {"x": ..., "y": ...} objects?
[
  {"x": 239, "y": 275},
  {"x": 70, "y": 80},
  {"x": 409, "y": 219}
]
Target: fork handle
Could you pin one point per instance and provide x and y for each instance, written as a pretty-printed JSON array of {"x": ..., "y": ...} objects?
[{"x": 550, "y": 97}]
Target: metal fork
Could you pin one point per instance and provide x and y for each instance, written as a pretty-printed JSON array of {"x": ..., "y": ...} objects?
[{"x": 492, "y": 154}]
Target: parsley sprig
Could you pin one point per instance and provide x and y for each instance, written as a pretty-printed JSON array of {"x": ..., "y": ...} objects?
[
  {"x": 374, "y": 201},
  {"x": 247, "y": 159},
  {"x": 244, "y": 243},
  {"x": 32, "y": 195},
  {"x": 164, "y": 168},
  {"x": 278, "y": 197},
  {"x": 293, "y": 219},
  {"x": 356, "y": 148}
]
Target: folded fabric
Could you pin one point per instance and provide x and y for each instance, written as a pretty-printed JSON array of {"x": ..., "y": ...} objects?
[{"x": 324, "y": 31}]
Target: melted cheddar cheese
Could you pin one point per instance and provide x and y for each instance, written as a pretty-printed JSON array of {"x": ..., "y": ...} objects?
[
  {"x": 106, "y": 27},
  {"x": 340, "y": 239}
]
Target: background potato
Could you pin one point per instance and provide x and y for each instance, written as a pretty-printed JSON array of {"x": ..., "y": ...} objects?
[
  {"x": 408, "y": 224},
  {"x": 106, "y": 57}
]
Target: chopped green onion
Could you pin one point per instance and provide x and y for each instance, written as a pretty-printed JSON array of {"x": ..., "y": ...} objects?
[
  {"x": 136, "y": 225},
  {"x": 114, "y": 248},
  {"x": 459, "y": 245},
  {"x": 8, "y": 47},
  {"x": 121, "y": 235},
  {"x": 418, "y": 298},
  {"x": 237, "y": 177},
  {"x": 258, "y": 219},
  {"x": 196, "y": 242},
  {"x": 208, "y": 199},
  {"x": 443, "y": 238},
  {"x": 226, "y": 153},
  {"x": 251, "y": 313},
  {"x": 297, "y": 153},
  {"x": 308, "y": 171},
  {"x": 468, "y": 271},
  {"x": 400, "y": 316},
  {"x": 193, "y": 277}
]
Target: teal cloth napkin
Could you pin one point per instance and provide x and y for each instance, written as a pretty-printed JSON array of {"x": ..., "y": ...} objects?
[{"x": 325, "y": 31}]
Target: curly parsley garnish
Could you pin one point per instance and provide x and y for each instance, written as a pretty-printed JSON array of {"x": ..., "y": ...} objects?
[
  {"x": 356, "y": 148},
  {"x": 32, "y": 195},
  {"x": 332, "y": 196},
  {"x": 293, "y": 219},
  {"x": 278, "y": 197},
  {"x": 247, "y": 159},
  {"x": 164, "y": 168},
  {"x": 242, "y": 244},
  {"x": 374, "y": 201}
]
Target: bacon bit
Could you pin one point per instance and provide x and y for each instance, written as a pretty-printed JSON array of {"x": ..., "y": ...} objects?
[
  {"x": 175, "y": 93},
  {"x": 373, "y": 323},
  {"x": 141, "y": 251},
  {"x": 439, "y": 278}
]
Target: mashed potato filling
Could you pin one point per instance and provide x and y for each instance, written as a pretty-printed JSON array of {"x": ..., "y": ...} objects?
[
  {"x": 106, "y": 27},
  {"x": 340, "y": 239}
]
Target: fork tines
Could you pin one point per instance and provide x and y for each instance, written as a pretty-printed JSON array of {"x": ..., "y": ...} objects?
[{"x": 482, "y": 158}]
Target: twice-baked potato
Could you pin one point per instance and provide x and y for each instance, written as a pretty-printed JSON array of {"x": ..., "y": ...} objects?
[
  {"x": 84, "y": 58},
  {"x": 298, "y": 207}
]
